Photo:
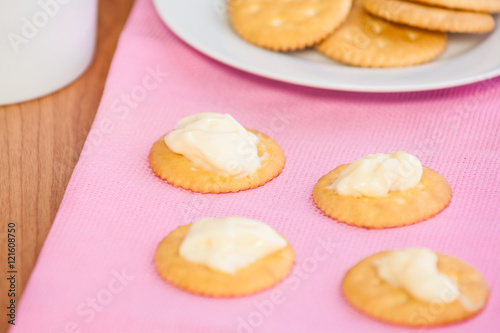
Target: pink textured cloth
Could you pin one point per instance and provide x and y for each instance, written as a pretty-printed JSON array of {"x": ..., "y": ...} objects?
[{"x": 96, "y": 271}]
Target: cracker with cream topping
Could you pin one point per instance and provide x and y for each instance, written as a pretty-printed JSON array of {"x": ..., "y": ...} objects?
[
  {"x": 398, "y": 208},
  {"x": 202, "y": 280},
  {"x": 368, "y": 293},
  {"x": 181, "y": 172},
  {"x": 285, "y": 25}
]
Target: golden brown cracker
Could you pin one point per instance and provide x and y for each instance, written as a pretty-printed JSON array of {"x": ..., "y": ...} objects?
[
  {"x": 202, "y": 280},
  {"x": 430, "y": 18},
  {"x": 397, "y": 209},
  {"x": 366, "y": 41},
  {"x": 285, "y": 25},
  {"x": 181, "y": 172},
  {"x": 485, "y": 6},
  {"x": 368, "y": 293}
]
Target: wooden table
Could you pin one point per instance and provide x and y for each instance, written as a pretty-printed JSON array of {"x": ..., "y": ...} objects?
[{"x": 40, "y": 142}]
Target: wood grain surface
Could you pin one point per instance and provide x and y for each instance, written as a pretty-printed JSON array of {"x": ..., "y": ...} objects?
[{"x": 40, "y": 142}]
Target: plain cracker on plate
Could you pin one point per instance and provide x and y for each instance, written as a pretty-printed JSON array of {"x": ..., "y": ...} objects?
[
  {"x": 201, "y": 280},
  {"x": 485, "y": 6},
  {"x": 430, "y": 18},
  {"x": 285, "y": 25},
  {"x": 376, "y": 298},
  {"x": 366, "y": 41}
]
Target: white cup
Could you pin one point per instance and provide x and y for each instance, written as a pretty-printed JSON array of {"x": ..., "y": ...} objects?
[{"x": 44, "y": 45}]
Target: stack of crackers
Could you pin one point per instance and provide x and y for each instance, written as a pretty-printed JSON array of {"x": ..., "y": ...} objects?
[{"x": 365, "y": 33}]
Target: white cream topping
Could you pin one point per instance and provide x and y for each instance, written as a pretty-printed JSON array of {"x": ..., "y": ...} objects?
[
  {"x": 227, "y": 244},
  {"x": 415, "y": 270},
  {"x": 215, "y": 142},
  {"x": 376, "y": 175}
]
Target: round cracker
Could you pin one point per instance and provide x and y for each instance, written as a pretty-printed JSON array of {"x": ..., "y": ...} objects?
[
  {"x": 181, "y": 172},
  {"x": 367, "y": 292},
  {"x": 285, "y": 25},
  {"x": 366, "y": 41},
  {"x": 430, "y": 18},
  {"x": 485, "y": 6},
  {"x": 397, "y": 209},
  {"x": 202, "y": 280}
]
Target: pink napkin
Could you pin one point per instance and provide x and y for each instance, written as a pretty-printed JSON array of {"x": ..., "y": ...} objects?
[{"x": 96, "y": 271}]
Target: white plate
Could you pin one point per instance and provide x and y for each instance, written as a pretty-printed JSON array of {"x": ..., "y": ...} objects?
[{"x": 203, "y": 24}]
